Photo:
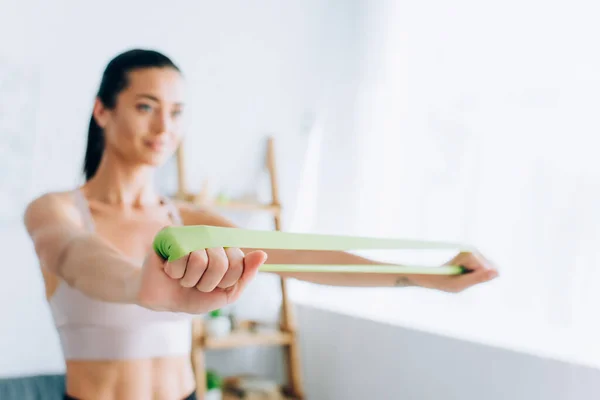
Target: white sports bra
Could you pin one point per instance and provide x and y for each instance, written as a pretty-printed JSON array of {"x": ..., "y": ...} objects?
[{"x": 90, "y": 329}]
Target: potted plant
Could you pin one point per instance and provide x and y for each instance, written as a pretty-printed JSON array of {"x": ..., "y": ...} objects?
[
  {"x": 217, "y": 324},
  {"x": 214, "y": 386}
]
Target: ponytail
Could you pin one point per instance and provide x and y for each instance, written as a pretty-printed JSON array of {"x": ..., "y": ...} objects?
[
  {"x": 114, "y": 80},
  {"x": 94, "y": 150}
]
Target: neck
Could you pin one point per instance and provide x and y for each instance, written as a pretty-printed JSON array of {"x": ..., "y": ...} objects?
[{"x": 119, "y": 183}]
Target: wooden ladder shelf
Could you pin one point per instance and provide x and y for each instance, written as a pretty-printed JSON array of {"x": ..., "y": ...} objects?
[{"x": 286, "y": 335}]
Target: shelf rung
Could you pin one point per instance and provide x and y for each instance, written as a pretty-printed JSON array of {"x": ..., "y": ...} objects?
[
  {"x": 230, "y": 396},
  {"x": 244, "y": 338},
  {"x": 235, "y": 205},
  {"x": 232, "y": 205}
]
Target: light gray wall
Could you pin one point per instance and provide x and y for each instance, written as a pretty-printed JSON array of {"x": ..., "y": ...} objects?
[{"x": 354, "y": 359}]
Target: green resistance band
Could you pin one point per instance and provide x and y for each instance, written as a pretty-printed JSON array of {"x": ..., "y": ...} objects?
[{"x": 174, "y": 242}]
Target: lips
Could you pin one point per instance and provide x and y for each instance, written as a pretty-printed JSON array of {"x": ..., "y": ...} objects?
[{"x": 156, "y": 145}]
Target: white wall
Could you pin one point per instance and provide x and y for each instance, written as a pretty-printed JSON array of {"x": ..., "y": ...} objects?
[
  {"x": 252, "y": 69},
  {"x": 477, "y": 123}
]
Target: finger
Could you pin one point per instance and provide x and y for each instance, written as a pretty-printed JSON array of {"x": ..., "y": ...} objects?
[
  {"x": 478, "y": 270},
  {"x": 155, "y": 260},
  {"x": 197, "y": 263},
  {"x": 476, "y": 277},
  {"x": 176, "y": 269},
  {"x": 217, "y": 267},
  {"x": 472, "y": 262},
  {"x": 252, "y": 261},
  {"x": 236, "y": 267},
  {"x": 492, "y": 266}
]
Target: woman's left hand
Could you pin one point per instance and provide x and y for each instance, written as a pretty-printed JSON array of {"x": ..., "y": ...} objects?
[{"x": 479, "y": 270}]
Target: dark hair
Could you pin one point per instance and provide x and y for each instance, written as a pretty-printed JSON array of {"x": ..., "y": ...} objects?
[{"x": 114, "y": 80}]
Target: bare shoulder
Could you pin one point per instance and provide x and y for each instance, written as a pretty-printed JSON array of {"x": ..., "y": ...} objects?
[
  {"x": 192, "y": 214},
  {"x": 51, "y": 207},
  {"x": 51, "y": 220}
]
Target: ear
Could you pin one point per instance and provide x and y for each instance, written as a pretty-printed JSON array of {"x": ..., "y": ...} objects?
[{"x": 100, "y": 113}]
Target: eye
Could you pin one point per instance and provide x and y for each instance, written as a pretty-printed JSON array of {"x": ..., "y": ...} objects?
[
  {"x": 176, "y": 113},
  {"x": 144, "y": 107}
]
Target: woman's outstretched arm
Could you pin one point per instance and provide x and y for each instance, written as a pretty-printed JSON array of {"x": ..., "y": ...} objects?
[
  {"x": 82, "y": 259},
  {"x": 481, "y": 270},
  {"x": 202, "y": 281}
]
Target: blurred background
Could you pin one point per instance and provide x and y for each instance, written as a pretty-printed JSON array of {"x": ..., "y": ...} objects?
[{"x": 464, "y": 121}]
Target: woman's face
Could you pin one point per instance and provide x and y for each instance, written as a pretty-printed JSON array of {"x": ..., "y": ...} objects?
[{"x": 145, "y": 125}]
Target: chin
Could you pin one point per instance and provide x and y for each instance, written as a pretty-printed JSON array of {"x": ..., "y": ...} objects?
[{"x": 156, "y": 160}]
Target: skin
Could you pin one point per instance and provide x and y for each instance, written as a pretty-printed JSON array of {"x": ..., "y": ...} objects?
[{"x": 118, "y": 265}]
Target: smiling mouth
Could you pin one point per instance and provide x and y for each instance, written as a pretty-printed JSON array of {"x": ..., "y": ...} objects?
[{"x": 156, "y": 145}]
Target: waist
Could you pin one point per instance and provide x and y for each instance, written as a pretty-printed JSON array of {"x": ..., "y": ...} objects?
[
  {"x": 192, "y": 396},
  {"x": 159, "y": 378},
  {"x": 144, "y": 341}
]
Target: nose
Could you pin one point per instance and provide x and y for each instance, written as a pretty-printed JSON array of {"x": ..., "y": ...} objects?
[{"x": 162, "y": 123}]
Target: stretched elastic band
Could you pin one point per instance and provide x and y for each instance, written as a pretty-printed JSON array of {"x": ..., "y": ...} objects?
[{"x": 174, "y": 242}]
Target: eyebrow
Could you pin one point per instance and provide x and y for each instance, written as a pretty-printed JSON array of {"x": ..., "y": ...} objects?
[{"x": 154, "y": 98}]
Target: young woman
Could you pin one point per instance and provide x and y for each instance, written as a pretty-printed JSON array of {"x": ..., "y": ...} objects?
[{"x": 122, "y": 313}]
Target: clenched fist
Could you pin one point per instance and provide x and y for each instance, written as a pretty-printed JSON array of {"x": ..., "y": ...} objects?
[
  {"x": 200, "y": 282},
  {"x": 478, "y": 270}
]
